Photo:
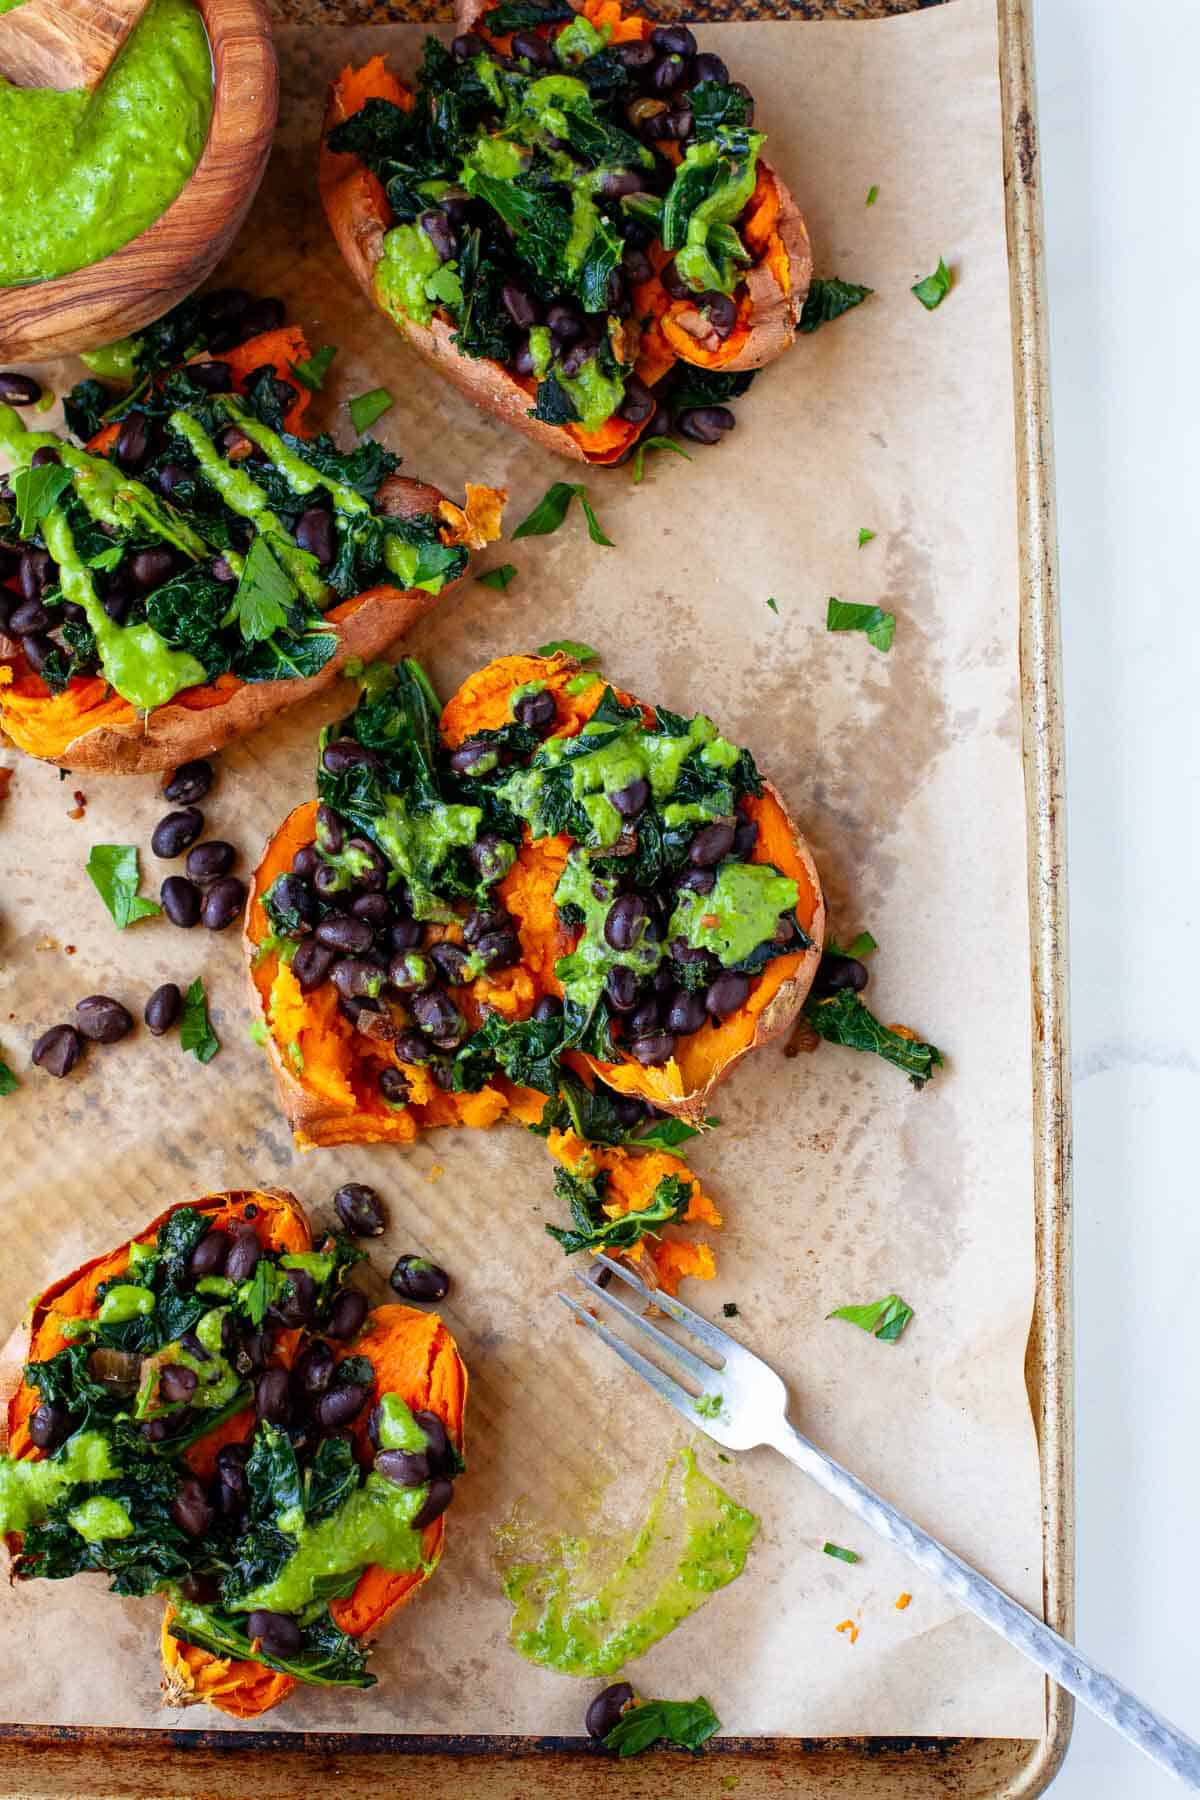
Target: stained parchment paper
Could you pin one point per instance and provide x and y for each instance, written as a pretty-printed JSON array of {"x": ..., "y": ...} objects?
[{"x": 839, "y": 1182}]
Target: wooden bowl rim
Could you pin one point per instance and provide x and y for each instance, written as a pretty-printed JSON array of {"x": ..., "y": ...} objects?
[{"x": 232, "y": 156}]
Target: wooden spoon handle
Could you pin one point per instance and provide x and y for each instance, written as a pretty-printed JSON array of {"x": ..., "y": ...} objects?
[{"x": 64, "y": 44}]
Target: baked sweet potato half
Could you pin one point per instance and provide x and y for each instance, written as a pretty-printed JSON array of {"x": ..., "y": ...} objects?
[
  {"x": 204, "y": 562},
  {"x": 212, "y": 1413},
  {"x": 572, "y": 219}
]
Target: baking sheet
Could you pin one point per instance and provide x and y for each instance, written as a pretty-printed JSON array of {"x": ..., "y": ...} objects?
[{"x": 838, "y": 1182}]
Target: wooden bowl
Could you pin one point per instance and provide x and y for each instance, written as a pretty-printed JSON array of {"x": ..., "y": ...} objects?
[{"x": 154, "y": 271}]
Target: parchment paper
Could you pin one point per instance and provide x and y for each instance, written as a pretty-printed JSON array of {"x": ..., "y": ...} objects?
[{"x": 840, "y": 1183}]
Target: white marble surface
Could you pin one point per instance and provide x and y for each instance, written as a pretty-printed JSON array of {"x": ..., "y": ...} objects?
[{"x": 1120, "y": 134}]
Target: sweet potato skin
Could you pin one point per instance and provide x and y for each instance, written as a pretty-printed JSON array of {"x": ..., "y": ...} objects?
[{"x": 358, "y": 215}]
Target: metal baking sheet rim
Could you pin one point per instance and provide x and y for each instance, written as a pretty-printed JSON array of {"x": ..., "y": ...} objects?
[{"x": 89, "y": 1761}]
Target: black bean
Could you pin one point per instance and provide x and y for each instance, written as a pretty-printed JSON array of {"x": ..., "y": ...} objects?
[
  {"x": 373, "y": 878},
  {"x": 475, "y": 757},
  {"x": 538, "y": 711},
  {"x": 71, "y": 610},
  {"x": 653, "y": 1050},
  {"x": 242, "y": 1260},
  {"x": 638, "y": 268},
  {"x": 374, "y": 908},
  {"x": 410, "y": 971},
  {"x": 314, "y": 533},
  {"x": 405, "y": 934},
  {"x": 31, "y": 616},
  {"x": 441, "y": 1493},
  {"x": 720, "y": 310},
  {"x": 457, "y": 205},
  {"x": 565, "y": 323},
  {"x": 254, "y": 1350},
  {"x": 360, "y": 1210},
  {"x": 163, "y": 1007},
  {"x": 616, "y": 295},
  {"x": 222, "y": 305},
  {"x": 176, "y": 831},
  {"x": 628, "y": 1110},
  {"x": 625, "y": 922},
  {"x": 837, "y": 972},
  {"x": 234, "y": 443},
  {"x": 133, "y": 442},
  {"x": 621, "y": 987},
  {"x": 710, "y": 844},
  {"x": 691, "y": 955},
  {"x": 221, "y": 569},
  {"x": 452, "y": 963},
  {"x": 491, "y": 857},
  {"x": 340, "y": 1405},
  {"x": 645, "y": 1020},
  {"x": 405, "y": 1468},
  {"x": 675, "y": 124},
  {"x": 214, "y": 377},
  {"x": 223, "y": 903},
  {"x": 346, "y": 934},
  {"x": 708, "y": 67},
  {"x": 745, "y": 837},
  {"x": 331, "y": 830},
  {"x": 37, "y": 650},
  {"x": 356, "y": 979},
  {"x": 298, "y": 1305},
  {"x": 440, "y": 232},
  {"x": 19, "y": 390},
  {"x": 314, "y": 1369},
  {"x": 208, "y": 862},
  {"x": 393, "y": 1086},
  {"x": 523, "y": 359},
  {"x": 155, "y": 1430},
  {"x": 615, "y": 182},
  {"x": 337, "y": 758},
  {"x": 34, "y": 573},
  {"x": 686, "y": 1013},
  {"x": 548, "y": 1007},
  {"x": 413, "y": 1278},
  {"x": 727, "y": 993},
  {"x": 233, "y": 1489},
  {"x": 669, "y": 73},
  {"x": 435, "y": 1013},
  {"x": 261, "y": 316},
  {"x": 208, "y": 1258},
  {"x": 294, "y": 894},
  {"x": 177, "y": 1383},
  {"x": 705, "y": 424},
  {"x": 46, "y": 454},
  {"x": 632, "y": 799},
  {"x": 58, "y": 1050},
  {"x": 580, "y": 352},
  {"x": 467, "y": 46},
  {"x": 173, "y": 475},
  {"x": 674, "y": 283},
  {"x": 676, "y": 40},
  {"x": 606, "y": 1709},
  {"x": 698, "y": 881},
  {"x": 306, "y": 862},
  {"x": 49, "y": 1425},
  {"x": 347, "y": 1315},
  {"x": 534, "y": 49},
  {"x": 482, "y": 920},
  {"x": 636, "y": 55},
  {"x": 498, "y": 950},
  {"x": 191, "y": 1509},
  {"x": 278, "y": 1635},
  {"x": 311, "y": 964},
  {"x": 411, "y": 1047}
]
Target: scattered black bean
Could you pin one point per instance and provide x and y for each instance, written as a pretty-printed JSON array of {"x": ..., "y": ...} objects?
[
  {"x": 698, "y": 881},
  {"x": 393, "y": 1086},
  {"x": 411, "y": 1047},
  {"x": 441, "y": 1493},
  {"x": 452, "y": 963},
  {"x": 347, "y": 1315},
  {"x": 295, "y": 894},
  {"x": 344, "y": 754},
  {"x": 46, "y": 454},
  {"x": 435, "y": 1013},
  {"x": 50, "y": 1424},
  {"x": 708, "y": 67},
  {"x": 636, "y": 55},
  {"x": 374, "y": 908},
  {"x": 242, "y": 1260},
  {"x": 233, "y": 1489},
  {"x": 117, "y": 599},
  {"x": 413, "y": 1278},
  {"x": 133, "y": 442},
  {"x": 405, "y": 934},
  {"x": 340, "y": 1405},
  {"x": 31, "y": 616},
  {"x": 172, "y": 475},
  {"x": 474, "y": 756},
  {"x": 548, "y": 1007},
  {"x": 727, "y": 993},
  {"x": 374, "y": 876},
  {"x": 102, "y": 1020},
  {"x": 314, "y": 1369},
  {"x": 404, "y": 1468},
  {"x": 606, "y": 1709},
  {"x": 534, "y": 49},
  {"x": 176, "y": 831},
  {"x": 163, "y": 1008},
  {"x": 498, "y": 950},
  {"x": 19, "y": 390},
  {"x": 628, "y": 1110},
  {"x": 706, "y": 424},
  {"x": 306, "y": 862},
  {"x": 314, "y": 533},
  {"x": 191, "y": 1509},
  {"x": 440, "y": 232},
  {"x": 208, "y": 862},
  {"x": 745, "y": 837},
  {"x": 621, "y": 988},
  {"x": 298, "y": 1305},
  {"x": 632, "y": 799},
  {"x": 181, "y": 901},
  {"x": 676, "y": 40},
  {"x": 177, "y": 1383},
  {"x": 669, "y": 73},
  {"x": 837, "y": 972},
  {"x": 360, "y": 1210},
  {"x": 686, "y": 1013},
  {"x": 57, "y": 1050},
  {"x": 346, "y": 934},
  {"x": 37, "y": 650},
  {"x": 658, "y": 1047},
  {"x": 410, "y": 971},
  {"x": 278, "y": 1635},
  {"x": 214, "y": 377},
  {"x": 208, "y": 1258},
  {"x": 491, "y": 856},
  {"x": 625, "y": 922},
  {"x": 711, "y": 843},
  {"x": 675, "y": 124},
  {"x": 261, "y": 316},
  {"x": 580, "y": 352},
  {"x": 538, "y": 711},
  {"x": 223, "y": 903},
  {"x": 467, "y": 46},
  {"x": 565, "y": 323}
]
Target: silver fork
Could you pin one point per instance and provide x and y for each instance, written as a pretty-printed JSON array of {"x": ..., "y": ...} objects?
[{"x": 745, "y": 1404}]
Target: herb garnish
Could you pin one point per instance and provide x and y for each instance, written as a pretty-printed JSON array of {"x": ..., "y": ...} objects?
[
  {"x": 847, "y": 615},
  {"x": 551, "y": 510},
  {"x": 773, "y": 603},
  {"x": 687, "y": 1723},
  {"x": 845, "y": 1019},
  {"x": 195, "y": 1030},
  {"x": 568, "y": 647},
  {"x": 828, "y": 300},
  {"x": 843, "y": 1555},
  {"x": 35, "y": 492},
  {"x": 499, "y": 578},
  {"x": 8, "y": 1081},
  {"x": 311, "y": 374},
  {"x": 884, "y": 1319},
  {"x": 858, "y": 947},
  {"x": 864, "y": 536},
  {"x": 872, "y": 193},
  {"x": 933, "y": 290},
  {"x": 655, "y": 443},
  {"x": 366, "y": 408},
  {"x": 264, "y": 593},
  {"x": 115, "y": 874}
]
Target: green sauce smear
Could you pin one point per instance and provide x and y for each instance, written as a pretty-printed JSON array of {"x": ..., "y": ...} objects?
[
  {"x": 29, "y": 1489},
  {"x": 85, "y": 173},
  {"x": 588, "y": 1610}
]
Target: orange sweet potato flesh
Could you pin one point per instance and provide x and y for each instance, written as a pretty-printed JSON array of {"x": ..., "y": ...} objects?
[
  {"x": 88, "y": 726},
  {"x": 772, "y": 293},
  {"x": 412, "y": 1354}
]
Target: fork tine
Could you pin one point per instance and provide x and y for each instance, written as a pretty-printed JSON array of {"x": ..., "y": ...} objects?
[
  {"x": 708, "y": 1334},
  {"x": 670, "y": 1391},
  {"x": 696, "y": 1367}
]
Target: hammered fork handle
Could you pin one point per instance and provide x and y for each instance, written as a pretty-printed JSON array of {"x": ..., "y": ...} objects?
[{"x": 1031, "y": 1636}]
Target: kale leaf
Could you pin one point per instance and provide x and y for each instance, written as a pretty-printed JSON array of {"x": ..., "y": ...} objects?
[
  {"x": 594, "y": 1230},
  {"x": 328, "y": 1657},
  {"x": 84, "y": 407},
  {"x": 828, "y": 300},
  {"x": 844, "y": 1019}
]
